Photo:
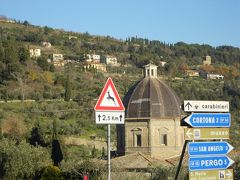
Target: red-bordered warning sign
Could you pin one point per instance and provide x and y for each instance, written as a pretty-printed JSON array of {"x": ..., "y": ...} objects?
[{"x": 109, "y": 99}]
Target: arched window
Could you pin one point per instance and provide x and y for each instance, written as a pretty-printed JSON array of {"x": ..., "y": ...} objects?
[
  {"x": 163, "y": 136},
  {"x": 148, "y": 74},
  {"x": 137, "y": 137},
  {"x": 152, "y": 70}
]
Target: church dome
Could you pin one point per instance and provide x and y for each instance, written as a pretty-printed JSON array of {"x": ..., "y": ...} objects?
[{"x": 152, "y": 98}]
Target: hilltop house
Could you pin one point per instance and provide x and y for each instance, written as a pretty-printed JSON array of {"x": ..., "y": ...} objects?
[
  {"x": 34, "y": 53},
  {"x": 58, "y": 60},
  {"x": 207, "y": 60},
  {"x": 211, "y": 75},
  {"x": 109, "y": 60},
  {"x": 72, "y": 37},
  {"x": 192, "y": 73},
  {"x": 98, "y": 66},
  {"x": 95, "y": 58},
  {"x": 162, "y": 63},
  {"x": 47, "y": 44},
  {"x": 5, "y": 19}
]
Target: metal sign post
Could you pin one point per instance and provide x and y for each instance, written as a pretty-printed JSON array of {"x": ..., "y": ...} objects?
[{"x": 109, "y": 151}]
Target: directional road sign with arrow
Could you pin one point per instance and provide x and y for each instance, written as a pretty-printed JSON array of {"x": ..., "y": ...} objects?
[
  {"x": 209, "y": 120},
  {"x": 210, "y": 175},
  {"x": 208, "y": 148},
  {"x": 206, "y": 106},
  {"x": 206, "y": 133},
  {"x": 209, "y": 163}
]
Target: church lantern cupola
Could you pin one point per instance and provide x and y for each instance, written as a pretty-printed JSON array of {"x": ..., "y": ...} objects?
[{"x": 150, "y": 70}]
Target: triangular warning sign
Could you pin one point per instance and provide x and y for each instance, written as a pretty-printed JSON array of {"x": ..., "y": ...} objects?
[{"x": 109, "y": 99}]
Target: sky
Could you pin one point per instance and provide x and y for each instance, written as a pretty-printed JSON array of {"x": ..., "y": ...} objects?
[{"x": 213, "y": 22}]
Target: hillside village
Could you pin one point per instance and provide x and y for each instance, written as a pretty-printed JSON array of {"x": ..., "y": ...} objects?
[
  {"x": 95, "y": 61},
  {"x": 99, "y": 62},
  {"x": 50, "y": 80}
]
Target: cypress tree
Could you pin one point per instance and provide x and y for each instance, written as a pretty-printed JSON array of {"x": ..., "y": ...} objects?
[
  {"x": 68, "y": 89},
  {"x": 56, "y": 155},
  {"x": 36, "y": 136}
]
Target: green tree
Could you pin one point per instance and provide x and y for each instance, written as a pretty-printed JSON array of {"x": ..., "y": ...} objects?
[
  {"x": 23, "y": 54},
  {"x": 1, "y": 52},
  {"x": 51, "y": 173},
  {"x": 10, "y": 60},
  {"x": 43, "y": 63},
  {"x": 10, "y": 52},
  {"x": 94, "y": 152},
  {"x": 36, "y": 137},
  {"x": 1, "y": 135},
  {"x": 47, "y": 30},
  {"x": 103, "y": 153},
  {"x": 72, "y": 170},
  {"x": 26, "y": 23},
  {"x": 14, "y": 128},
  {"x": 68, "y": 89},
  {"x": 236, "y": 167},
  {"x": 21, "y": 161}
]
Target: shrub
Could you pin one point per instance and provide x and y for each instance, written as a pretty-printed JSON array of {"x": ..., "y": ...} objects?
[
  {"x": 21, "y": 161},
  {"x": 51, "y": 173}
]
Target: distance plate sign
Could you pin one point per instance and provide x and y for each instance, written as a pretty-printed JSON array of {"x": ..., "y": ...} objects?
[{"x": 109, "y": 117}]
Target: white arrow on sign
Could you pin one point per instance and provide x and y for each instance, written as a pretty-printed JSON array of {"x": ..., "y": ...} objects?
[
  {"x": 189, "y": 134},
  {"x": 206, "y": 106},
  {"x": 230, "y": 161},
  {"x": 230, "y": 147},
  {"x": 229, "y": 174}
]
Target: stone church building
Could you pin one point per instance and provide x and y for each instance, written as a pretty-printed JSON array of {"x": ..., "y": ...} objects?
[{"x": 152, "y": 121}]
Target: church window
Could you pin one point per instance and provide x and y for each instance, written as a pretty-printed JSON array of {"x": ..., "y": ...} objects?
[
  {"x": 139, "y": 140},
  {"x": 137, "y": 137},
  {"x": 163, "y": 139},
  {"x": 148, "y": 72},
  {"x": 163, "y": 136},
  {"x": 152, "y": 72}
]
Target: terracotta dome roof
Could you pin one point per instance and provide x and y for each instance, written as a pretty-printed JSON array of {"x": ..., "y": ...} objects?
[{"x": 152, "y": 97}]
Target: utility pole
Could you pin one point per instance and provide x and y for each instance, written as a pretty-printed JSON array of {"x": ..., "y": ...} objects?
[{"x": 181, "y": 159}]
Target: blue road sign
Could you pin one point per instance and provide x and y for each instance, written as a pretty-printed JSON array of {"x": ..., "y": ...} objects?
[
  {"x": 208, "y": 148},
  {"x": 209, "y": 163},
  {"x": 209, "y": 120}
]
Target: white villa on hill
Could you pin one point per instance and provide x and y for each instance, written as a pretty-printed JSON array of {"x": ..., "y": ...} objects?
[
  {"x": 93, "y": 58},
  {"x": 58, "y": 60},
  {"x": 110, "y": 60},
  {"x": 34, "y": 53}
]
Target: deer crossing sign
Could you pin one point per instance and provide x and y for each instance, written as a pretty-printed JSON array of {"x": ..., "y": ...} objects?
[{"x": 109, "y": 108}]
